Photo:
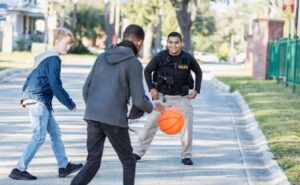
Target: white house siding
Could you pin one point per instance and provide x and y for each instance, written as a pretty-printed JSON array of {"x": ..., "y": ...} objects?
[{"x": 20, "y": 22}]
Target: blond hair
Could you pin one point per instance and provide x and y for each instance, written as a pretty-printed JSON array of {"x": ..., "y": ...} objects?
[{"x": 60, "y": 33}]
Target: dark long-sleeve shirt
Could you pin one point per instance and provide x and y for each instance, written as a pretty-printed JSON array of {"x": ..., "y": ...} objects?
[{"x": 154, "y": 64}]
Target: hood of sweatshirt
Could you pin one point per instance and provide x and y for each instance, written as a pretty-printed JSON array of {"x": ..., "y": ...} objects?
[
  {"x": 39, "y": 58},
  {"x": 117, "y": 54}
]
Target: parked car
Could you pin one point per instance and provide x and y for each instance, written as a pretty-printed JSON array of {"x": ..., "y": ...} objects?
[{"x": 206, "y": 57}]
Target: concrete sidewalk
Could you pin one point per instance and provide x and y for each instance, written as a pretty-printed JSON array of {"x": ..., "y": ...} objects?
[{"x": 223, "y": 151}]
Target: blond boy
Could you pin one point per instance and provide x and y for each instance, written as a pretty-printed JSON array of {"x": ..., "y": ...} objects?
[{"x": 40, "y": 86}]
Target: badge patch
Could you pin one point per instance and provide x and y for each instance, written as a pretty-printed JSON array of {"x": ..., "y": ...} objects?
[{"x": 183, "y": 67}]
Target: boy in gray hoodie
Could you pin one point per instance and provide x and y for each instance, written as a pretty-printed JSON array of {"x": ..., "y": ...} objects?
[{"x": 116, "y": 76}]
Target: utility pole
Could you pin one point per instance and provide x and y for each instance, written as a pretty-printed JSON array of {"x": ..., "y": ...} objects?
[
  {"x": 62, "y": 13},
  {"x": 112, "y": 14},
  {"x": 117, "y": 21},
  {"x": 50, "y": 22},
  {"x": 296, "y": 47},
  {"x": 46, "y": 13},
  {"x": 296, "y": 19},
  {"x": 232, "y": 48},
  {"x": 109, "y": 19}
]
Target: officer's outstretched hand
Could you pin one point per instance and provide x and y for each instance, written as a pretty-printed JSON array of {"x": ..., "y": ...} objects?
[
  {"x": 192, "y": 95},
  {"x": 159, "y": 107},
  {"x": 154, "y": 94}
]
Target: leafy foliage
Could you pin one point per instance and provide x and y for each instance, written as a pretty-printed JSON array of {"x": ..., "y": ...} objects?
[
  {"x": 142, "y": 12},
  {"x": 90, "y": 23},
  {"x": 218, "y": 22},
  {"x": 203, "y": 31}
]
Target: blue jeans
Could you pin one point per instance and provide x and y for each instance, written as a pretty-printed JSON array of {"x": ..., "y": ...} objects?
[{"x": 42, "y": 121}]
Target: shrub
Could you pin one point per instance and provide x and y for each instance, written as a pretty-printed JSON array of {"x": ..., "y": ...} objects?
[{"x": 79, "y": 49}]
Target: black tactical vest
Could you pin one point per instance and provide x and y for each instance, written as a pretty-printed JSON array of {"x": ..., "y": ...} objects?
[{"x": 173, "y": 77}]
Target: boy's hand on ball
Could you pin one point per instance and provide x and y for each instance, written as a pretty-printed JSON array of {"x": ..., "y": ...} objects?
[{"x": 159, "y": 107}]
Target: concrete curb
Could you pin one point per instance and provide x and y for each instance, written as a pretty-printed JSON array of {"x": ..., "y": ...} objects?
[
  {"x": 260, "y": 143},
  {"x": 220, "y": 85},
  {"x": 7, "y": 74}
]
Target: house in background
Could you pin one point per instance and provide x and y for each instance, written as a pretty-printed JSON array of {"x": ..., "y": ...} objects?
[{"x": 24, "y": 22}]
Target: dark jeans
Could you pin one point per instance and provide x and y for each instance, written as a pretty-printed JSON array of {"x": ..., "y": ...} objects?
[{"x": 119, "y": 138}]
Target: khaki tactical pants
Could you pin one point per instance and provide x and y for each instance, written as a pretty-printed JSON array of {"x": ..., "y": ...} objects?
[{"x": 147, "y": 134}]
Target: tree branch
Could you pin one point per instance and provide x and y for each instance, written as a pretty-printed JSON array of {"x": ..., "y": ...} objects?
[{"x": 173, "y": 2}]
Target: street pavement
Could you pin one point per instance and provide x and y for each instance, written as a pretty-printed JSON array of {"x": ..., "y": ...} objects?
[{"x": 219, "y": 151}]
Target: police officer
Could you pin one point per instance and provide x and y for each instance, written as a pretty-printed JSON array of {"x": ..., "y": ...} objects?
[{"x": 168, "y": 76}]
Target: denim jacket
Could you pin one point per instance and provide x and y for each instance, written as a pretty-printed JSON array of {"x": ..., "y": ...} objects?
[{"x": 44, "y": 82}]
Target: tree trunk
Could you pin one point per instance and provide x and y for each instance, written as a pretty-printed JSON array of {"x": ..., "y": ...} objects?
[
  {"x": 94, "y": 40},
  {"x": 74, "y": 17},
  {"x": 147, "y": 47},
  {"x": 185, "y": 20},
  {"x": 158, "y": 38},
  {"x": 187, "y": 40},
  {"x": 158, "y": 46}
]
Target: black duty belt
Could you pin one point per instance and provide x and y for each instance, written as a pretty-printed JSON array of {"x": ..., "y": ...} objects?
[{"x": 174, "y": 93}]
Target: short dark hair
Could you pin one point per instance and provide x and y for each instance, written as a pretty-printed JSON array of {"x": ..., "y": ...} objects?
[
  {"x": 134, "y": 31},
  {"x": 175, "y": 34}
]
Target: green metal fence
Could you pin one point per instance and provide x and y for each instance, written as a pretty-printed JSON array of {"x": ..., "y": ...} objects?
[{"x": 284, "y": 61}]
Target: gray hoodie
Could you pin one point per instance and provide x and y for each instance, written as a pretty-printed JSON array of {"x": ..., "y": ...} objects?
[
  {"x": 39, "y": 58},
  {"x": 116, "y": 76}
]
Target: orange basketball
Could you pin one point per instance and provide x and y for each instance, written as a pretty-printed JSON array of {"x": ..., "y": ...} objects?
[{"x": 171, "y": 121}]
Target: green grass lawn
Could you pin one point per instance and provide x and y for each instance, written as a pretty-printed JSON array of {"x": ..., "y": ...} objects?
[
  {"x": 277, "y": 111},
  {"x": 26, "y": 59},
  {"x": 16, "y": 60}
]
